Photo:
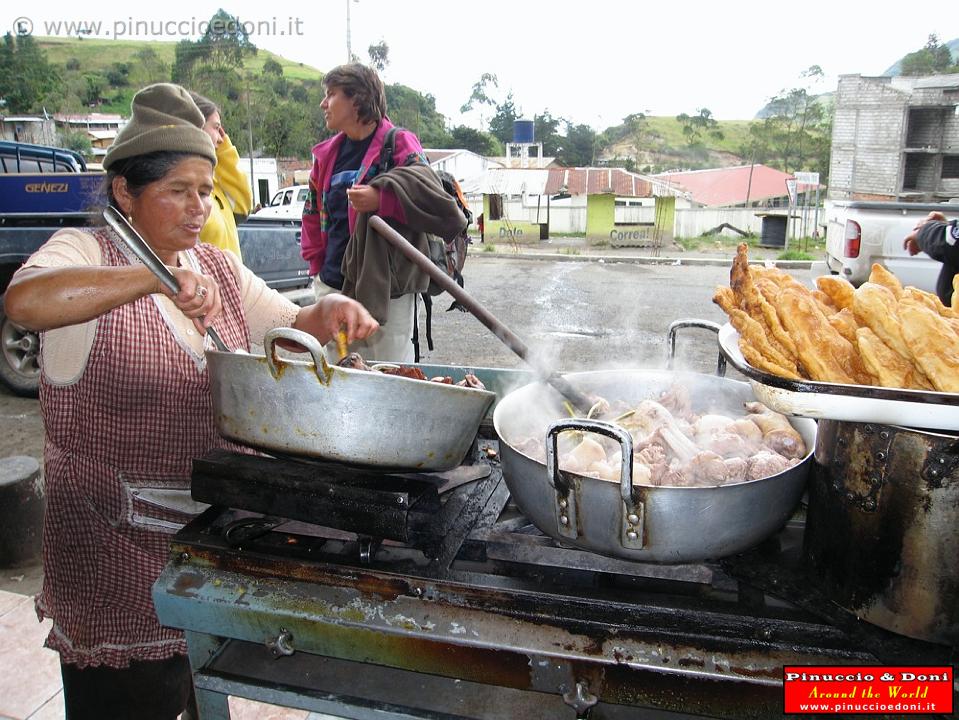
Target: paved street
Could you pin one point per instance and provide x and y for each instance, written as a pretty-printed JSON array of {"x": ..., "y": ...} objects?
[{"x": 577, "y": 314}]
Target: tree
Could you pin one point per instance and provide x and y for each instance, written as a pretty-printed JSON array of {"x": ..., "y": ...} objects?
[
  {"x": 482, "y": 143},
  {"x": 695, "y": 126},
  {"x": 934, "y": 58},
  {"x": 26, "y": 78},
  {"x": 501, "y": 124},
  {"x": 272, "y": 67},
  {"x": 226, "y": 41},
  {"x": 75, "y": 140},
  {"x": 480, "y": 95},
  {"x": 379, "y": 55},
  {"x": 637, "y": 129},
  {"x": 224, "y": 45},
  {"x": 148, "y": 68},
  {"x": 797, "y": 132},
  {"x": 545, "y": 130},
  {"x": 579, "y": 148}
]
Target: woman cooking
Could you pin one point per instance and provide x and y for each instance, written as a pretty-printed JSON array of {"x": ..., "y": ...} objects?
[{"x": 126, "y": 406}]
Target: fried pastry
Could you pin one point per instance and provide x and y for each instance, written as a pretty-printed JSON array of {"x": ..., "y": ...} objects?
[
  {"x": 751, "y": 300},
  {"x": 880, "y": 276},
  {"x": 838, "y": 289},
  {"x": 934, "y": 345},
  {"x": 879, "y": 334},
  {"x": 845, "y": 323},
  {"x": 875, "y": 307},
  {"x": 824, "y": 354},
  {"x": 890, "y": 368}
]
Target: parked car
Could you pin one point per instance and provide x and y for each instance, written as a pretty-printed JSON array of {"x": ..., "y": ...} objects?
[
  {"x": 286, "y": 203},
  {"x": 43, "y": 189},
  {"x": 860, "y": 233}
]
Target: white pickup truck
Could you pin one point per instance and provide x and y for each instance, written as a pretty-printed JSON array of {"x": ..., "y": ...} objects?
[
  {"x": 860, "y": 233},
  {"x": 287, "y": 203}
]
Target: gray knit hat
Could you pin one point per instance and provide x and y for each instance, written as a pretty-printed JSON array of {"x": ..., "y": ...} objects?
[{"x": 164, "y": 117}]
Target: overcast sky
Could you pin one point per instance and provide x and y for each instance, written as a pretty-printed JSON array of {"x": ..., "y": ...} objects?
[{"x": 590, "y": 62}]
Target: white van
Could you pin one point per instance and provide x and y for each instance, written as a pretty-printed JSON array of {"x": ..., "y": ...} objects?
[
  {"x": 286, "y": 203},
  {"x": 860, "y": 233}
]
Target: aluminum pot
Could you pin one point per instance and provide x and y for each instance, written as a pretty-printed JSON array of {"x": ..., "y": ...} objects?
[
  {"x": 881, "y": 527},
  {"x": 649, "y": 524},
  {"x": 318, "y": 410}
]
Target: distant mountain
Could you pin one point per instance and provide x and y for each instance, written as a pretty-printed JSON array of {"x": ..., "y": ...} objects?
[{"x": 895, "y": 69}]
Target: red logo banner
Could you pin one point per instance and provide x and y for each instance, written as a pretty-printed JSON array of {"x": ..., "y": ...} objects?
[{"x": 867, "y": 689}]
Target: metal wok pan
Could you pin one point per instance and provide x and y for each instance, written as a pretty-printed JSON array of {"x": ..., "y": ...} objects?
[
  {"x": 318, "y": 410},
  {"x": 652, "y": 524}
]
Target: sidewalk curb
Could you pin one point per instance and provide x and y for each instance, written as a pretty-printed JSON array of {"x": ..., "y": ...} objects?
[{"x": 644, "y": 260}]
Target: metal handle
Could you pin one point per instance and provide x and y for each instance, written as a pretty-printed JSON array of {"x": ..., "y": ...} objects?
[
  {"x": 282, "y": 645},
  {"x": 566, "y": 500},
  {"x": 500, "y": 330},
  {"x": 323, "y": 370},
  {"x": 687, "y": 323},
  {"x": 139, "y": 247}
]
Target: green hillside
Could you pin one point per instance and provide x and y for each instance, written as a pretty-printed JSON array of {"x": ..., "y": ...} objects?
[
  {"x": 275, "y": 98},
  {"x": 99, "y": 55}
]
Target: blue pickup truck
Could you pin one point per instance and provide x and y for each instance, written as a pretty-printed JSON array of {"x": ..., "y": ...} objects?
[{"x": 44, "y": 188}]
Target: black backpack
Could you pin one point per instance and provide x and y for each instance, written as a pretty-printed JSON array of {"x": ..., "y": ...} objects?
[{"x": 448, "y": 255}]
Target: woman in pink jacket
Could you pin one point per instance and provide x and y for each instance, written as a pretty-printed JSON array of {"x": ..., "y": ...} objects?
[{"x": 355, "y": 107}]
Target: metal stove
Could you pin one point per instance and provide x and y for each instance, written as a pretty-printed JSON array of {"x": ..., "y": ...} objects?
[{"x": 365, "y": 595}]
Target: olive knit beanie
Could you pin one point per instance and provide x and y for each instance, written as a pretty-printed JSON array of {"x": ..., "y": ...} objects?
[{"x": 164, "y": 117}]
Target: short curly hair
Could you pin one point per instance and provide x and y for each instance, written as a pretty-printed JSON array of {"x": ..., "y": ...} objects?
[{"x": 362, "y": 85}]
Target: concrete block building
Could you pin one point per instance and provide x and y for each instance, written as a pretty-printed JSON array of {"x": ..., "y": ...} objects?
[{"x": 895, "y": 138}]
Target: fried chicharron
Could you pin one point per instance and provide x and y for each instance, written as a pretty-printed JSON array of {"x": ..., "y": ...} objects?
[{"x": 878, "y": 334}]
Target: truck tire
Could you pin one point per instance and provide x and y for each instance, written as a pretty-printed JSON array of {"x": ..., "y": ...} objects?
[{"x": 19, "y": 357}]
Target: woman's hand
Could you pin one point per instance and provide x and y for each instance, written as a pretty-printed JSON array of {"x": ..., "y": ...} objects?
[
  {"x": 332, "y": 312},
  {"x": 199, "y": 297},
  {"x": 364, "y": 198}
]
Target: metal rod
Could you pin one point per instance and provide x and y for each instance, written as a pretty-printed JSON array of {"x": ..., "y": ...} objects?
[
  {"x": 500, "y": 330},
  {"x": 139, "y": 247}
]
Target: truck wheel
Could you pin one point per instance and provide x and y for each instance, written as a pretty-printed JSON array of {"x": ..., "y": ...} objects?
[{"x": 19, "y": 357}]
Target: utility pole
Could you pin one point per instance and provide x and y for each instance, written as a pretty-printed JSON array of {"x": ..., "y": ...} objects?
[
  {"x": 349, "y": 46},
  {"x": 249, "y": 128}
]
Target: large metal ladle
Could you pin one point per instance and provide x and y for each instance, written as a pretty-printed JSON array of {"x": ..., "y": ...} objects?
[
  {"x": 138, "y": 246},
  {"x": 508, "y": 337}
]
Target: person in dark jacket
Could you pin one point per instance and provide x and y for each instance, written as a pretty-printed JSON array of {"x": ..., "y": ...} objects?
[{"x": 939, "y": 239}]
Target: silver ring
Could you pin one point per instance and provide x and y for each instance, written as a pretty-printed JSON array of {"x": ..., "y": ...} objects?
[{"x": 201, "y": 291}]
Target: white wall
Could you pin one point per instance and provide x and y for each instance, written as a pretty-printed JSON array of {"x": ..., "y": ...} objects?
[
  {"x": 263, "y": 169},
  {"x": 569, "y": 216}
]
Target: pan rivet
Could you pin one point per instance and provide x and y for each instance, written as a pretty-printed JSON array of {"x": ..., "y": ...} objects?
[
  {"x": 633, "y": 518},
  {"x": 880, "y": 456},
  {"x": 884, "y": 435},
  {"x": 933, "y": 472},
  {"x": 184, "y": 557},
  {"x": 563, "y": 520},
  {"x": 632, "y": 535},
  {"x": 399, "y": 501},
  {"x": 563, "y": 504}
]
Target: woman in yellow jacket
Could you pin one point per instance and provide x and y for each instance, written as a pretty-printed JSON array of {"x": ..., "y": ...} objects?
[{"x": 231, "y": 187}]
